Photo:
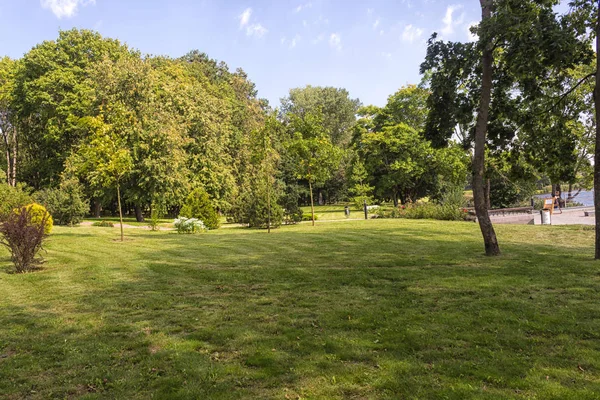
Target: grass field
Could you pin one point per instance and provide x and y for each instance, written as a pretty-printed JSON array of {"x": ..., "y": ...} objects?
[{"x": 390, "y": 309}]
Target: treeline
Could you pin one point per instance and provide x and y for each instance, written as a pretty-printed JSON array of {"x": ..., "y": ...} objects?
[{"x": 87, "y": 115}]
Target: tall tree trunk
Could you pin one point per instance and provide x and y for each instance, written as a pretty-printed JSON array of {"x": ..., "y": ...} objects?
[
  {"x": 312, "y": 203},
  {"x": 96, "y": 208},
  {"x": 485, "y": 224},
  {"x": 395, "y": 198},
  {"x": 120, "y": 210},
  {"x": 139, "y": 216},
  {"x": 597, "y": 150}
]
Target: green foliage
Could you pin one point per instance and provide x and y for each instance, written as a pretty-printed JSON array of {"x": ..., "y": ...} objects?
[
  {"x": 65, "y": 203},
  {"x": 156, "y": 214},
  {"x": 258, "y": 214},
  {"x": 338, "y": 109},
  {"x": 308, "y": 217},
  {"x": 11, "y": 198},
  {"x": 443, "y": 212},
  {"x": 292, "y": 213},
  {"x": 198, "y": 205},
  {"x": 103, "y": 224}
]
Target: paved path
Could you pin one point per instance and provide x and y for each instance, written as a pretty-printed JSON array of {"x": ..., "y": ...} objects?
[{"x": 570, "y": 216}]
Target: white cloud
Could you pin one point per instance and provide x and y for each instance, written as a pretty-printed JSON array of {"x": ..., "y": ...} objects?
[
  {"x": 335, "y": 41},
  {"x": 319, "y": 38},
  {"x": 302, "y": 7},
  {"x": 386, "y": 55},
  {"x": 245, "y": 17},
  {"x": 65, "y": 8},
  {"x": 449, "y": 22},
  {"x": 376, "y": 23},
  {"x": 256, "y": 30},
  {"x": 411, "y": 33},
  {"x": 471, "y": 37},
  {"x": 291, "y": 43}
]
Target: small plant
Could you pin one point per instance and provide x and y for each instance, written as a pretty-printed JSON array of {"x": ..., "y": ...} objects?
[
  {"x": 23, "y": 233},
  {"x": 189, "y": 225},
  {"x": 155, "y": 216},
  {"x": 198, "y": 205},
  {"x": 308, "y": 217},
  {"x": 104, "y": 224}
]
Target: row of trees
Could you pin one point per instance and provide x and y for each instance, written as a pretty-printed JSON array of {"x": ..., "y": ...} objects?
[{"x": 148, "y": 130}]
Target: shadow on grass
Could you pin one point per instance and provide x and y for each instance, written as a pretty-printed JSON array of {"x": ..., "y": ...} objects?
[{"x": 357, "y": 313}]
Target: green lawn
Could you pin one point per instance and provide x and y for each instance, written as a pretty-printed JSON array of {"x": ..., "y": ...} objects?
[{"x": 389, "y": 309}]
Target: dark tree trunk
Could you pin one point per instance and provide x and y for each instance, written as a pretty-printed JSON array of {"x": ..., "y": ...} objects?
[
  {"x": 597, "y": 150},
  {"x": 395, "y": 198},
  {"x": 139, "y": 216},
  {"x": 485, "y": 224},
  {"x": 97, "y": 206}
]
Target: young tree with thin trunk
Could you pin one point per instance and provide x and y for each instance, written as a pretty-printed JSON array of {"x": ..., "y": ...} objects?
[
  {"x": 314, "y": 155},
  {"x": 104, "y": 159}
]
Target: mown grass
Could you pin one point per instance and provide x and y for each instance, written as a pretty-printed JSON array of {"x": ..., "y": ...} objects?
[{"x": 390, "y": 309}]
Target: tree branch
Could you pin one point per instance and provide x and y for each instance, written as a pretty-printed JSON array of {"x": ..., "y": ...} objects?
[{"x": 571, "y": 90}]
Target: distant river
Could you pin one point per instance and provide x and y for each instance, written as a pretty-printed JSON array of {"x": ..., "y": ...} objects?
[{"x": 584, "y": 197}]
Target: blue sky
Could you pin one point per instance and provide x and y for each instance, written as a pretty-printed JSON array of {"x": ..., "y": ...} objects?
[{"x": 370, "y": 47}]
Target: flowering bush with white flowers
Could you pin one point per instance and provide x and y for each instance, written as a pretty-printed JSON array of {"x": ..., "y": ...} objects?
[{"x": 189, "y": 225}]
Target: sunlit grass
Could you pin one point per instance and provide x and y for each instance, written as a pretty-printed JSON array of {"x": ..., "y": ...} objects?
[{"x": 362, "y": 309}]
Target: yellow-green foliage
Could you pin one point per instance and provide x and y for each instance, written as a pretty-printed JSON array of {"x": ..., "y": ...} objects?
[{"x": 38, "y": 212}]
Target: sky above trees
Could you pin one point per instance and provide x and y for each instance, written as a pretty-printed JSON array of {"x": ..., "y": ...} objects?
[{"x": 370, "y": 47}]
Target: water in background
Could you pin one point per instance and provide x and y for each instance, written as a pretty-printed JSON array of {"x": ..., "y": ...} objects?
[{"x": 585, "y": 197}]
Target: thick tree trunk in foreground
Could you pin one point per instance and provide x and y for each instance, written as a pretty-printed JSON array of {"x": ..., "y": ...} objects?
[
  {"x": 597, "y": 150},
  {"x": 485, "y": 224}
]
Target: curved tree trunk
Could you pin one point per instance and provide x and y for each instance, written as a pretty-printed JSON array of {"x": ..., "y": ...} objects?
[{"x": 485, "y": 224}]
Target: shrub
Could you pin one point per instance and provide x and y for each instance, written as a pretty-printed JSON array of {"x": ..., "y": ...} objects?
[
  {"x": 199, "y": 206},
  {"x": 359, "y": 201},
  {"x": 291, "y": 217},
  {"x": 426, "y": 211},
  {"x": 65, "y": 204},
  {"x": 258, "y": 215},
  {"x": 37, "y": 214},
  {"x": 189, "y": 225},
  {"x": 155, "y": 215},
  {"x": 12, "y": 198},
  {"x": 23, "y": 233},
  {"x": 104, "y": 224},
  {"x": 308, "y": 217}
]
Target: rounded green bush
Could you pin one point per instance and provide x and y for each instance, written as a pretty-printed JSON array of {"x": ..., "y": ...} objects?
[
  {"x": 38, "y": 212},
  {"x": 198, "y": 205}
]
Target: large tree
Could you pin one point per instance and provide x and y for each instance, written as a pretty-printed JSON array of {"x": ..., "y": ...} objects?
[
  {"x": 523, "y": 47},
  {"x": 338, "y": 108}
]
